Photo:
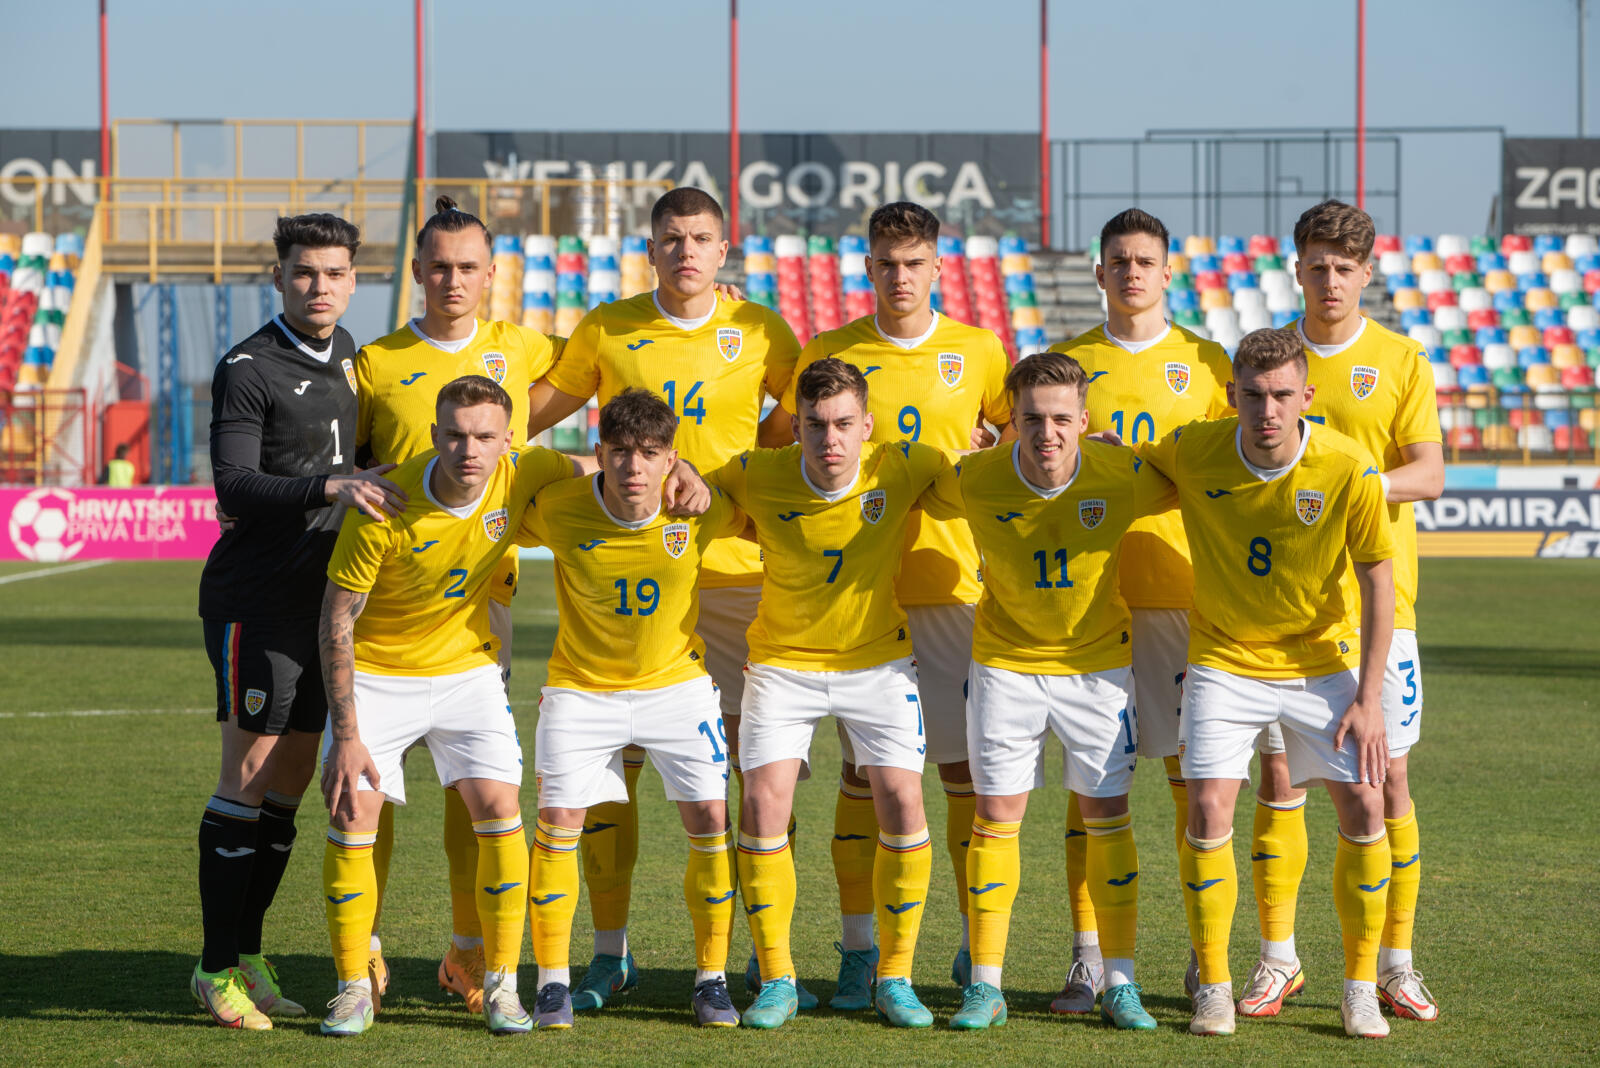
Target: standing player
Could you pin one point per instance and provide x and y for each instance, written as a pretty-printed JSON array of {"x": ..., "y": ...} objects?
[
  {"x": 933, "y": 379},
  {"x": 1147, "y": 378},
  {"x": 712, "y": 359},
  {"x": 1050, "y": 652},
  {"x": 1291, "y": 544},
  {"x": 399, "y": 377},
  {"x": 407, "y": 655},
  {"x": 283, "y": 412},
  {"x": 829, "y": 638},
  {"x": 628, "y": 669},
  {"x": 1375, "y": 387}
]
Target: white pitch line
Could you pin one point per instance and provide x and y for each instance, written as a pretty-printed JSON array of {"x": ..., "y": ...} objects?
[
  {"x": 63, "y": 569},
  {"x": 87, "y": 713}
]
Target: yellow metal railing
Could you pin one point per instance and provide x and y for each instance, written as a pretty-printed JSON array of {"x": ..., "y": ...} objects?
[{"x": 238, "y": 131}]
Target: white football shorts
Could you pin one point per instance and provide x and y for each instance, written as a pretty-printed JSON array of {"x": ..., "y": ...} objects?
[
  {"x": 1402, "y": 693},
  {"x": 878, "y": 707},
  {"x": 1009, "y": 716},
  {"x": 1224, "y": 715},
  {"x": 463, "y": 719},
  {"x": 941, "y": 640},
  {"x": 725, "y": 616},
  {"x": 1160, "y": 657},
  {"x": 579, "y": 742}
]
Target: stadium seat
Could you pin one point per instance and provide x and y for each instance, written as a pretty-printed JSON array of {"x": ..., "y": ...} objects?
[
  {"x": 1416, "y": 243},
  {"x": 1532, "y": 356},
  {"x": 1427, "y": 336},
  {"x": 1444, "y": 375},
  {"x": 1558, "y": 334},
  {"x": 1551, "y": 262},
  {"x": 1442, "y": 298},
  {"x": 1254, "y": 319},
  {"x": 1476, "y": 299},
  {"x": 1490, "y": 261},
  {"x": 1446, "y": 316},
  {"x": 1579, "y": 377},
  {"x": 1215, "y": 298},
  {"x": 1451, "y": 245},
  {"x": 1510, "y": 243},
  {"x": 1470, "y": 375},
  {"x": 1499, "y": 281},
  {"x": 1582, "y": 245},
  {"x": 1493, "y": 357},
  {"x": 1490, "y": 335},
  {"x": 1394, "y": 283},
  {"x": 1394, "y": 262},
  {"x": 1249, "y": 299},
  {"x": 1434, "y": 280},
  {"x": 1381, "y": 243},
  {"x": 1409, "y": 298},
  {"x": 1460, "y": 263},
  {"x": 1281, "y": 301},
  {"x": 1522, "y": 262},
  {"x": 1204, "y": 280},
  {"x": 1543, "y": 243},
  {"x": 1536, "y": 439},
  {"x": 1465, "y": 439},
  {"x": 1198, "y": 245},
  {"x": 1514, "y": 317},
  {"x": 1282, "y": 318}
]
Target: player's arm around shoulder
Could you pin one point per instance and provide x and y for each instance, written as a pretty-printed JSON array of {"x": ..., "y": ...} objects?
[
  {"x": 572, "y": 377},
  {"x": 939, "y": 476}
]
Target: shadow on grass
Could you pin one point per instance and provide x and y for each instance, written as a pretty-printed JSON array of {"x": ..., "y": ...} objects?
[
  {"x": 1512, "y": 660},
  {"x": 111, "y": 632}
]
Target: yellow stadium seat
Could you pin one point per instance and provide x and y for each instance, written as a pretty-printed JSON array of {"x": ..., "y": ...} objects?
[
  {"x": 1523, "y": 336},
  {"x": 11, "y": 245},
  {"x": 1016, "y": 263},
  {"x": 1566, "y": 356},
  {"x": 567, "y": 320},
  {"x": 1499, "y": 436},
  {"x": 1215, "y": 298},
  {"x": 1589, "y": 419},
  {"x": 1541, "y": 298},
  {"x": 540, "y": 319},
  {"x": 1555, "y": 261},
  {"x": 1497, "y": 281},
  {"x": 1478, "y": 396},
  {"x": 1426, "y": 261},
  {"x": 1405, "y": 299},
  {"x": 1542, "y": 374},
  {"x": 1179, "y": 263},
  {"x": 1021, "y": 317},
  {"x": 1198, "y": 245},
  {"x": 754, "y": 263}
]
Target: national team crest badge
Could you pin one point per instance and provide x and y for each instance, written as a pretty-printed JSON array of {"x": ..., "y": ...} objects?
[
  {"x": 1178, "y": 378},
  {"x": 494, "y": 524},
  {"x": 349, "y": 373},
  {"x": 494, "y": 365},
  {"x": 1363, "y": 380},
  {"x": 950, "y": 367},
  {"x": 872, "y": 503},
  {"x": 730, "y": 339},
  {"x": 254, "y": 701},
  {"x": 1091, "y": 512},
  {"x": 675, "y": 537},
  {"x": 1308, "y": 505}
]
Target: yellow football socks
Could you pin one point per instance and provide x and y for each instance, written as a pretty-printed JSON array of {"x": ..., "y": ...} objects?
[
  {"x": 708, "y": 890},
  {"x": 1210, "y": 894},
  {"x": 994, "y": 868},
  {"x": 553, "y": 892},
  {"x": 461, "y": 849},
  {"x": 767, "y": 881},
  {"x": 900, "y": 876},
  {"x": 961, "y": 808},
  {"x": 350, "y": 895},
  {"x": 1405, "y": 879},
  {"x": 1278, "y": 850},
  {"x": 610, "y": 850},
  {"x": 1112, "y": 862},
  {"x": 855, "y": 845},
  {"x": 501, "y": 890},
  {"x": 1179, "y": 786},
  {"x": 1084, "y": 923},
  {"x": 1360, "y": 885}
]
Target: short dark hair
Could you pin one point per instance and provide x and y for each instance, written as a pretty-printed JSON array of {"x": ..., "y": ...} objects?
[
  {"x": 469, "y": 391},
  {"x": 830, "y": 377},
  {"x": 317, "y": 230},
  {"x": 1344, "y": 226},
  {"x": 636, "y": 418},
  {"x": 1047, "y": 369},
  {"x": 1134, "y": 221},
  {"x": 900, "y": 222},
  {"x": 1268, "y": 350},
  {"x": 450, "y": 219},
  {"x": 684, "y": 202}
]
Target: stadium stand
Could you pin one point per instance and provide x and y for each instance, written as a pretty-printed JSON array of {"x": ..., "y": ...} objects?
[{"x": 36, "y": 285}]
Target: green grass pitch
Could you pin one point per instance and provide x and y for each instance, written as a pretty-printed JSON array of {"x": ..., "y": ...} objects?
[{"x": 101, "y": 920}]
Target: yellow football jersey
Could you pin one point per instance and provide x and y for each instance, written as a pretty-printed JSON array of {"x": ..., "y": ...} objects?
[
  {"x": 427, "y": 571},
  {"x": 934, "y": 394},
  {"x": 1379, "y": 391},
  {"x": 628, "y": 598},
  {"x": 1274, "y": 595},
  {"x": 827, "y": 594},
  {"x": 398, "y": 378},
  {"x": 1145, "y": 396},
  {"x": 713, "y": 377},
  {"x": 1050, "y": 602}
]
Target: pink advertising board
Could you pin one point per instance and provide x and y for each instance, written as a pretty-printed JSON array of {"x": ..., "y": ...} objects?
[{"x": 51, "y": 524}]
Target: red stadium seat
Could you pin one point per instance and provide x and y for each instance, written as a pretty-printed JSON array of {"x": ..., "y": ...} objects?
[
  {"x": 1442, "y": 298},
  {"x": 1466, "y": 438},
  {"x": 1571, "y": 439},
  {"x": 1465, "y": 355},
  {"x": 1210, "y": 280},
  {"x": 1386, "y": 243},
  {"x": 1516, "y": 243},
  {"x": 1461, "y": 263},
  {"x": 1557, "y": 335},
  {"x": 1577, "y": 377},
  {"x": 1262, "y": 245},
  {"x": 1477, "y": 320}
]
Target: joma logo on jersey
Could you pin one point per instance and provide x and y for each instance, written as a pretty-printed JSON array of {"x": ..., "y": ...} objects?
[
  {"x": 675, "y": 537},
  {"x": 1363, "y": 380},
  {"x": 1091, "y": 512},
  {"x": 494, "y": 524},
  {"x": 872, "y": 503},
  {"x": 730, "y": 339},
  {"x": 1308, "y": 505},
  {"x": 494, "y": 365},
  {"x": 349, "y": 373},
  {"x": 1178, "y": 377},
  {"x": 254, "y": 701},
  {"x": 950, "y": 367}
]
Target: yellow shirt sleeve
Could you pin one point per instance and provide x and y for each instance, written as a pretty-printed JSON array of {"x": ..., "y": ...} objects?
[
  {"x": 1369, "y": 536},
  {"x": 942, "y": 499},
  {"x": 996, "y": 401},
  {"x": 577, "y": 372},
  {"x": 1417, "y": 419},
  {"x": 359, "y": 552},
  {"x": 1153, "y": 492},
  {"x": 783, "y": 354},
  {"x": 363, "y": 396},
  {"x": 809, "y": 355},
  {"x": 1163, "y": 454}
]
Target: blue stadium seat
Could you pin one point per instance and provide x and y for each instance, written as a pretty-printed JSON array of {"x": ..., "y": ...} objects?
[
  {"x": 1416, "y": 243},
  {"x": 1415, "y": 317},
  {"x": 1174, "y": 245},
  {"x": 1587, "y": 262},
  {"x": 1532, "y": 356},
  {"x": 1485, "y": 336},
  {"x": 1545, "y": 318},
  {"x": 507, "y": 244},
  {"x": 1588, "y": 339},
  {"x": 1019, "y": 283},
  {"x": 1403, "y": 280},
  {"x": 1188, "y": 300},
  {"x": 856, "y": 245},
  {"x": 1011, "y": 245},
  {"x": 1507, "y": 299},
  {"x": 1204, "y": 262},
  {"x": 1491, "y": 261},
  {"x": 634, "y": 245},
  {"x": 1532, "y": 280},
  {"x": 1549, "y": 243},
  {"x": 953, "y": 246},
  {"x": 1554, "y": 417},
  {"x": 1229, "y": 244},
  {"x": 1238, "y": 280},
  {"x": 1281, "y": 319},
  {"x": 1472, "y": 374}
]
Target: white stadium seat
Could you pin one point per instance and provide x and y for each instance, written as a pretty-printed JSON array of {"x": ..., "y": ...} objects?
[
  {"x": 1566, "y": 281},
  {"x": 1433, "y": 281},
  {"x": 1499, "y": 356},
  {"x": 1447, "y": 245},
  {"x": 1444, "y": 376},
  {"x": 1394, "y": 262},
  {"x": 1583, "y": 317},
  {"x": 1450, "y": 317},
  {"x": 1426, "y": 336},
  {"x": 1582, "y": 245},
  {"x": 1475, "y": 298},
  {"x": 1523, "y": 262}
]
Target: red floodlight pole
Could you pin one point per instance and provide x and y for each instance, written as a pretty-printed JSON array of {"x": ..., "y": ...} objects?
[
  {"x": 105, "y": 109},
  {"x": 1361, "y": 104},
  {"x": 733, "y": 121},
  {"x": 1044, "y": 123},
  {"x": 421, "y": 145}
]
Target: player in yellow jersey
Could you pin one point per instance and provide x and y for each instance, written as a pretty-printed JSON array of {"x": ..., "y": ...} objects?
[
  {"x": 1147, "y": 378},
  {"x": 628, "y": 669},
  {"x": 830, "y": 638},
  {"x": 712, "y": 359},
  {"x": 1293, "y": 610},
  {"x": 933, "y": 379},
  {"x": 408, "y": 655},
  {"x": 1374, "y": 386},
  {"x": 397, "y": 379},
  {"x": 1051, "y": 653}
]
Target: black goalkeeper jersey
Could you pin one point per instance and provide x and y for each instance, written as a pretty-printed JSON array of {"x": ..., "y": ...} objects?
[{"x": 283, "y": 418}]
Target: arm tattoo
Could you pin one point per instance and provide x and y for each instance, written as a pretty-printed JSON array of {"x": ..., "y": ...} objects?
[{"x": 336, "y": 641}]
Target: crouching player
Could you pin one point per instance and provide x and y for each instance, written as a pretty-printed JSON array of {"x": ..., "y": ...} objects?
[
  {"x": 407, "y": 654},
  {"x": 830, "y": 638},
  {"x": 629, "y": 669},
  {"x": 1050, "y": 653},
  {"x": 1280, "y": 512}
]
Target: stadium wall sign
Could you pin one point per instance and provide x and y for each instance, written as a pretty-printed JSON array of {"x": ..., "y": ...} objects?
[
  {"x": 54, "y": 524},
  {"x": 1510, "y": 523},
  {"x": 68, "y": 156},
  {"x": 821, "y": 183},
  {"x": 1552, "y": 185}
]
